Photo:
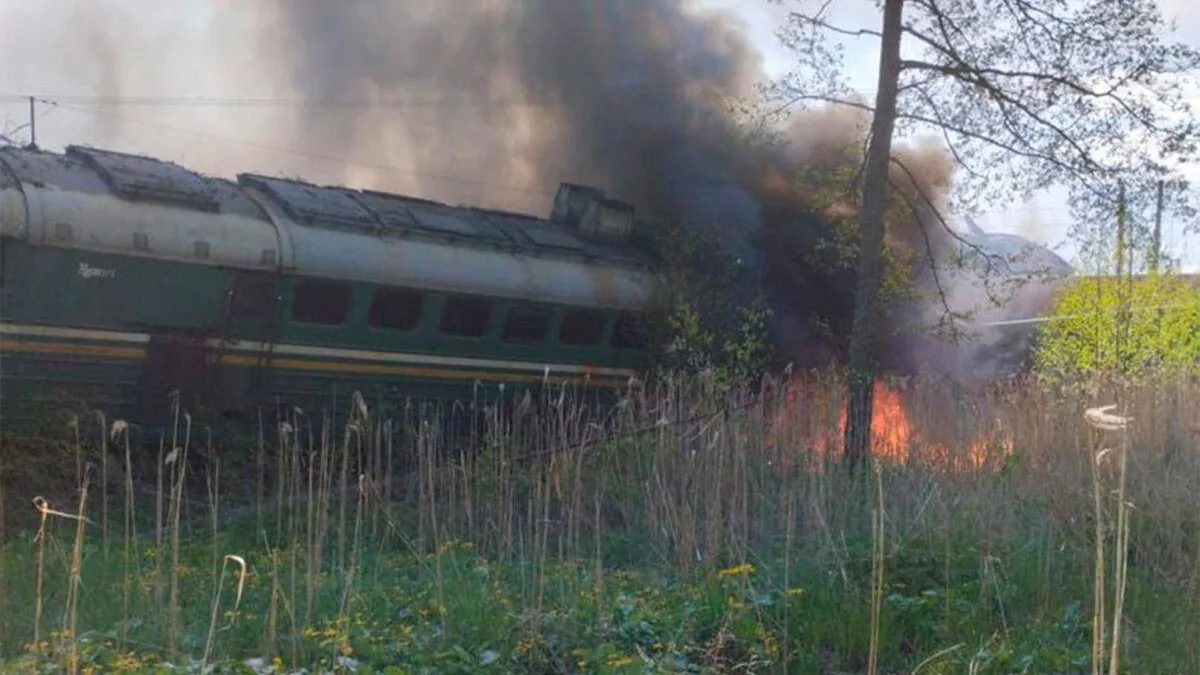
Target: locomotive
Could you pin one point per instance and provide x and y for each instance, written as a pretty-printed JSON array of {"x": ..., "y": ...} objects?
[{"x": 132, "y": 285}]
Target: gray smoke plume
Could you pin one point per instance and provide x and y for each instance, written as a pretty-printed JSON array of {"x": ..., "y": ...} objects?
[
  {"x": 515, "y": 96},
  {"x": 630, "y": 95}
]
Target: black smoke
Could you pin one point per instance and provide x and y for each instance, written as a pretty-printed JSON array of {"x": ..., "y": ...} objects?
[{"x": 634, "y": 96}]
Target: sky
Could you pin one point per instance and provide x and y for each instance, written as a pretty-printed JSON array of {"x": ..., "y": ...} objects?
[
  {"x": 1045, "y": 217},
  {"x": 39, "y": 40}
]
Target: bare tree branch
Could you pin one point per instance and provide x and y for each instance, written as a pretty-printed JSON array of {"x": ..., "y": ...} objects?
[
  {"x": 942, "y": 124},
  {"x": 1032, "y": 94},
  {"x": 821, "y": 23}
]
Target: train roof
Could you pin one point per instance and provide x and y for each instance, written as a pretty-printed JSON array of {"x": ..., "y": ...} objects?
[
  {"x": 139, "y": 178},
  {"x": 126, "y": 176},
  {"x": 1010, "y": 254},
  {"x": 585, "y": 252}
]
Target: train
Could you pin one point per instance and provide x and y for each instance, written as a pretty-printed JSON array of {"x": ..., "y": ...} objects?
[{"x": 136, "y": 286}]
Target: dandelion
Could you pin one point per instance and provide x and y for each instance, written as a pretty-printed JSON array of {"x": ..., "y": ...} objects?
[
  {"x": 770, "y": 642},
  {"x": 744, "y": 568},
  {"x": 126, "y": 662}
]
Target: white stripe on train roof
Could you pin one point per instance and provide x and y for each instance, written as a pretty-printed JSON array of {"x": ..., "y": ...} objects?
[{"x": 328, "y": 352}]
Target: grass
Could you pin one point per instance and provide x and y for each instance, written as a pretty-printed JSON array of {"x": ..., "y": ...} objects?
[{"x": 1010, "y": 531}]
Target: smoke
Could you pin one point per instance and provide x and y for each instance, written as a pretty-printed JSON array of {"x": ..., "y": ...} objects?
[
  {"x": 639, "y": 97},
  {"x": 634, "y": 96},
  {"x": 999, "y": 298}
]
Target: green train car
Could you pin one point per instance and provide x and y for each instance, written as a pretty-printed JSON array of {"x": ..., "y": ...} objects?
[{"x": 126, "y": 278}]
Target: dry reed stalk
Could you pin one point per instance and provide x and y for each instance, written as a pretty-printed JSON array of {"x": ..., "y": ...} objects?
[
  {"x": 121, "y": 427},
  {"x": 103, "y": 482},
  {"x": 353, "y": 567},
  {"x": 427, "y": 451},
  {"x": 343, "y": 476},
  {"x": 40, "y": 539},
  {"x": 1098, "y": 612},
  {"x": 1122, "y": 555},
  {"x": 271, "y": 631},
  {"x": 260, "y": 466},
  {"x": 702, "y": 490},
  {"x": 216, "y": 604},
  {"x": 932, "y": 658},
  {"x": 1101, "y": 418},
  {"x": 71, "y": 613},
  {"x": 877, "y": 575},
  {"x": 789, "y": 539},
  {"x": 212, "y": 481},
  {"x": 158, "y": 518},
  {"x": 178, "y": 458}
]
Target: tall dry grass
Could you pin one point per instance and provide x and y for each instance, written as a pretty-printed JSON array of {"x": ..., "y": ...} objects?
[{"x": 688, "y": 477}]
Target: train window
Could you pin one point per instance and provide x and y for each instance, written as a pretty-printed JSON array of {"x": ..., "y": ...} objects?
[
  {"x": 581, "y": 327},
  {"x": 396, "y": 309},
  {"x": 320, "y": 302},
  {"x": 526, "y": 325},
  {"x": 630, "y": 332},
  {"x": 466, "y": 317},
  {"x": 253, "y": 296}
]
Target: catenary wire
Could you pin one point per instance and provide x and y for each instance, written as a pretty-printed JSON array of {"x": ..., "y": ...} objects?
[
  {"x": 69, "y": 101},
  {"x": 298, "y": 153},
  {"x": 247, "y": 102}
]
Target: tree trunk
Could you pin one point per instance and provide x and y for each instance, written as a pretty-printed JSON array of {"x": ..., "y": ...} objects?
[{"x": 871, "y": 238}]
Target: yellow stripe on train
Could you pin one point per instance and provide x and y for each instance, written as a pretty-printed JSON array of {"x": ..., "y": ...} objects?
[{"x": 18, "y": 345}]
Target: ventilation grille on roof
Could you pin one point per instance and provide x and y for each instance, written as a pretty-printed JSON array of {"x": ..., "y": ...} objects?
[
  {"x": 314, "y": 205},
  {"x": 140, "y": 178}
]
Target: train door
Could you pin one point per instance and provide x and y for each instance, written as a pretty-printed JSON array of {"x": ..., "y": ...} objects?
[
  {"x": 176, "y": 369},
  {"x": 247, "y": 345}
]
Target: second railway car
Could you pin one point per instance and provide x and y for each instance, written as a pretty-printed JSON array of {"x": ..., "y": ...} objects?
[{"x": 125, "y": 278}]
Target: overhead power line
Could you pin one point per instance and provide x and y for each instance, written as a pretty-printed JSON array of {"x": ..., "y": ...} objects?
[
  {"x": 67, "y": 104},
  {"x": 249, "y": 102},
  {"x": 297, "y": 153}
]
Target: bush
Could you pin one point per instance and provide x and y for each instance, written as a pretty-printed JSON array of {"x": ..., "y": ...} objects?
[{"x": 1140, "y": 326}]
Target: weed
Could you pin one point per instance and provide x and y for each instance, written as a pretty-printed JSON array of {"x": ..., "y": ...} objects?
[{"x": 694, "y": 529}]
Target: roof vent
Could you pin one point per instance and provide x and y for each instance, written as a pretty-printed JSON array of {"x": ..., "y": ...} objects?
[
  {"x": 571, "y": 202},
  {"x": 608, "y": 218}
]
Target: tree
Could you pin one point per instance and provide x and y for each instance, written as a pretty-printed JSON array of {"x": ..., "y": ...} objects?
[
  {"x": 1025, "y": 95},
  {"x": 705, "y": 321},
  {"x": 1132, "y": 326}
]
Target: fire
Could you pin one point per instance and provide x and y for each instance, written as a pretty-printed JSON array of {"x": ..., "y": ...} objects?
[{"x": 893, "y": 437}]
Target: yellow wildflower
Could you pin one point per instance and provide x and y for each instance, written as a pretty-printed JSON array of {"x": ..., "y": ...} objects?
[
  {"x": 125, "y": 662},
  {"x": 744, "y": 568}
]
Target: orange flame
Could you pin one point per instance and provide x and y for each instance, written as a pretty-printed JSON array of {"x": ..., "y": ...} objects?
[{"x": 893, "y": 437}]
